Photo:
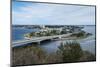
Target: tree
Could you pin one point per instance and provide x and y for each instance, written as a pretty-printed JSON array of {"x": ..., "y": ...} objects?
[{"x": 70, "y": 51}]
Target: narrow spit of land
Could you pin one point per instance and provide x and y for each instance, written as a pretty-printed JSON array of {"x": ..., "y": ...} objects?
[{"x": 52, "y": 33}]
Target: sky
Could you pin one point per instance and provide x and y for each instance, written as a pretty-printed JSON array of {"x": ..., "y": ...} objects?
[{"x": 31, "y": 13}]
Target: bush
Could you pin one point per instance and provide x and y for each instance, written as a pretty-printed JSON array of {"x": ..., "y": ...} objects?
[
  {"x": 70, "y": 51},
  {"x": 28, "y": 55},
  {"x": 67, "y": 52},
  {"x": 80, "y": 34},
  {"x": 87, "y": 56}
]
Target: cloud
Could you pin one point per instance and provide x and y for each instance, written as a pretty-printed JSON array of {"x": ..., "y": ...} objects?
[{"x": 39, "y": 13}]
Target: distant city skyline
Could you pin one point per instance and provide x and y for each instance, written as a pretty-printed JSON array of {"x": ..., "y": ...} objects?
[{"x": 30, "y": 13}]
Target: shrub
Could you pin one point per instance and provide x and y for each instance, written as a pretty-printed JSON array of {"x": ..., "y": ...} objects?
[
  {"x": 87, "y": 56},
  {"x": 28, "y": 55},
  {"x": 70, "y": 51},
  {"x": 67, "y": 52},
  {"x": 80, "y": 34}
]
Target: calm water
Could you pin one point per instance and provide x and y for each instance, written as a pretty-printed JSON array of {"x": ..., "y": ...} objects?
[
  {"x": 86, "y": 44},
  {"x": 18, "y": 33}
]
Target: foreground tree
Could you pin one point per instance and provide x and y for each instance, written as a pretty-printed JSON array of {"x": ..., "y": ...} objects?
[{"x": 70, "y": 51}]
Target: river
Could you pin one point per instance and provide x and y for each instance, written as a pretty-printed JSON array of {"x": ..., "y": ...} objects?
[{"x": 87, "y": 44}]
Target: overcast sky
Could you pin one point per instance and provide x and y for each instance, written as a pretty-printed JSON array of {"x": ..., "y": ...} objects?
[{"x": 52, "y": 14}]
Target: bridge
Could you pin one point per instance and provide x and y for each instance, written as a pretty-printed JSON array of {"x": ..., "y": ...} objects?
[{"x": 37, "y": 39}]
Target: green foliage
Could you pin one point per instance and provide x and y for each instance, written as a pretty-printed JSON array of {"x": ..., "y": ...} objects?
[
  {"x": 34, "y": 54},
  {"x": 64, "y": 31},
  {"x": 80, "y": 34},
  {"x": 45, "y": 33},
  {"x": 87, "y": 56},
  {"x": 30, "y": 34},
  {"x": 28, "y": 55},
  {"x": 71, "y": 51}
]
